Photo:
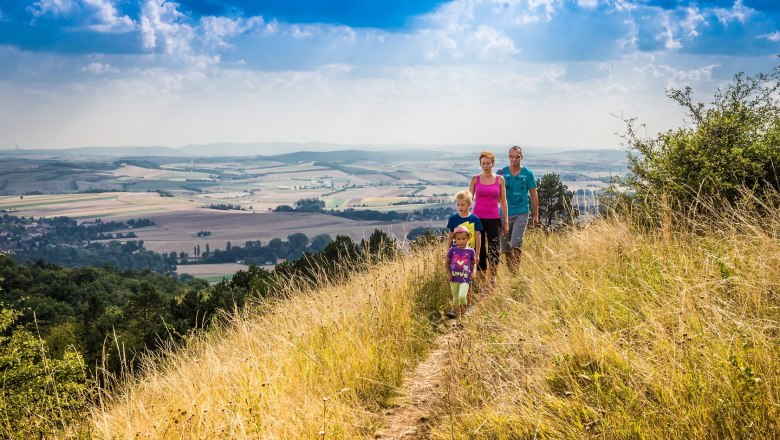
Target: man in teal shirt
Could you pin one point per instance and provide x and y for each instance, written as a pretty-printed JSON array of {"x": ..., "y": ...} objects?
[{"x": 520, "y": 193}]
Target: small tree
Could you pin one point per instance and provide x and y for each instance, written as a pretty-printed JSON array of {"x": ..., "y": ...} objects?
[
  {"x": 309, "y": 205},
  {"x": 725, "y": 147},
  {"x": 555, "y": 201}
]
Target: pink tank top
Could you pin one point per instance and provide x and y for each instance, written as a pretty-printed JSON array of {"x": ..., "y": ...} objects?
[{"x": 486, "y": 199}]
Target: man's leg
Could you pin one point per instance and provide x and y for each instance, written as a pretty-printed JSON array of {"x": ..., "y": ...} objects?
[{"x": 518, "y": 226}]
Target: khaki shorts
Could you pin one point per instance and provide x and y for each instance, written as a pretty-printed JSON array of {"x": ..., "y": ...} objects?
[{"x": 514, "y": 240}]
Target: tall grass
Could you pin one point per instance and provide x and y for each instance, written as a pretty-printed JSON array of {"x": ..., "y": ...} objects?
[
  {"x": 620, "y": 331},
  {"x": 667, "y": 328},
  {"x": 319, "y": 363}
]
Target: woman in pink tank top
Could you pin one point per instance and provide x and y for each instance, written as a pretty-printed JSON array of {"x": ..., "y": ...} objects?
[{"x": 489, "y": 193}]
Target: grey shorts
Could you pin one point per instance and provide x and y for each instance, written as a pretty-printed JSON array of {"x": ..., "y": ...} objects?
[{"x": 517, "y": 224}]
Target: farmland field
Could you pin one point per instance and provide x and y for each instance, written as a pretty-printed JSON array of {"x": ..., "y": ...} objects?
[{"x": 125, "y": 189}]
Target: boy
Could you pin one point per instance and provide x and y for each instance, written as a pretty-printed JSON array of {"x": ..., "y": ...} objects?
[
  {"x": 465, "y": 218},
  {"x": 461, "y": 266}
]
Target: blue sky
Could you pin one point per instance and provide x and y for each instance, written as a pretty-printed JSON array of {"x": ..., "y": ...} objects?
[{"x": 547, "y": 73}]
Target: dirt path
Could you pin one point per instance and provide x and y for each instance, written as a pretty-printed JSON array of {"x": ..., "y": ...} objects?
[{"x": 422, "y": 389}]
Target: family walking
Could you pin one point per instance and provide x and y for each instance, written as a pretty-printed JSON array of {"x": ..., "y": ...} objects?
[{"x": 476, "y": 238}]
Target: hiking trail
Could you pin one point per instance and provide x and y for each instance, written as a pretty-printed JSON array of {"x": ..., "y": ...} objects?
[{"x": 420, "y": 395}]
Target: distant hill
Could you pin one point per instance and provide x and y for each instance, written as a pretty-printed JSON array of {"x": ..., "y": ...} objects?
[{"x": 313, "y": 151}]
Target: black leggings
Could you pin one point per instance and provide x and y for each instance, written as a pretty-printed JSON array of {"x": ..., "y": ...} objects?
[{"x": 489, "y": 251}]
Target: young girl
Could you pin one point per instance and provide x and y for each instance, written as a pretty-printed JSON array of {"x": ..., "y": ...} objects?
[{"x": 461, "y": 266}]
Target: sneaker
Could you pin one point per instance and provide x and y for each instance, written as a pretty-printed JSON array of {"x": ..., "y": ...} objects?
[
  {"x": 469, "y": 311},
  {"x": 450, "y": 314}
]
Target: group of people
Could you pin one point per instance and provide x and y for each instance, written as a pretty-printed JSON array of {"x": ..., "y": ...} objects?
[{"x": 504, "y": 203}]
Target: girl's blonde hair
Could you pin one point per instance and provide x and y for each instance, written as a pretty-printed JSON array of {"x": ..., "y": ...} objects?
[
  {"x": 464, "y": 195},
  {"x": 489, "y": 155}
]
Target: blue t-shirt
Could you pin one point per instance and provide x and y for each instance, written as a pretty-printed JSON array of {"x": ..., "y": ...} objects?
[
  {"x": 461, "y": 264},
  {"x": 517, "y": 187},
  {"x": 471, "y": 223}
]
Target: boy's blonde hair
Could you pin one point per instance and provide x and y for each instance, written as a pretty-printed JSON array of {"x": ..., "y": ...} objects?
[{"x": 464, "y": 195}]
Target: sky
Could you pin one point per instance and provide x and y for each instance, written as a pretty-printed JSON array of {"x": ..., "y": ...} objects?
[{"x": 545, "y": 73}]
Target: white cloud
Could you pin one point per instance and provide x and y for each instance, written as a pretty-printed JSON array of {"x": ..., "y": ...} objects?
[
  {"x": 676, "y": 78},
  {"x": 300, "y": 31},
  {"x": 690, "y": 23},
  {"x": 774, "y": 36},
  {"x": 98, "y": 15},
  {"x": 52, "y": 7},
  {"x": 163, "y": 26},
  {"x": 588, "y": 4},
  {"x": 738, "y": 12},
  {"x": 107, "y": 17},
  {"x": 491, "y": 41},
  {"x": 216, "y": 30},
  {"x": 99, "y": 68}
]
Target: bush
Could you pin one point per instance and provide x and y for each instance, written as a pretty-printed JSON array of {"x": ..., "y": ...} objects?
[
  {"x": 729, "y": 146},
  {"x": 39, "y": 395}
]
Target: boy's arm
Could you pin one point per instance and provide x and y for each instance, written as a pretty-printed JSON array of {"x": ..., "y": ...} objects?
[{"x": 477, "y": 244}]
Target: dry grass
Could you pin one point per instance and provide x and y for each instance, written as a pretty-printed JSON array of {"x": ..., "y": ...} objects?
[
  {"x": 317, "y": 364},
  {"x": 611, "y": 332}
]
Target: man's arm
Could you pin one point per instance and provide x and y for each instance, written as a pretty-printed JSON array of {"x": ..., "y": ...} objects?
[{"x": 534, "y": 206}]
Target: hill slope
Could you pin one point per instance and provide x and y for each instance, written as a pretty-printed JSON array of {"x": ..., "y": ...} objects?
[{"x": 609, "y": 331}]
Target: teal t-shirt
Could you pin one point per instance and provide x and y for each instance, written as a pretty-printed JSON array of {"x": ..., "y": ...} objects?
[{"x": 517, "y": 198}]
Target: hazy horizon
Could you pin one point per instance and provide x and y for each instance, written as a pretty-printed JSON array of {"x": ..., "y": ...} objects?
[{"x": 550, "y": 73}]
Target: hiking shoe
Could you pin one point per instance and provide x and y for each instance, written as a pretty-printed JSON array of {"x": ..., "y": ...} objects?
[{"x": 450, "y": 314}]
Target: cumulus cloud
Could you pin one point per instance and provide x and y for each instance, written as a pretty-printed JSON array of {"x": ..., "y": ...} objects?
[
  {"x": 676, "y": 78},
  {"x": 52, "y": 7},
  {"x": 587, "y": 3},
  {"x": 217, "y": 30},
  {"x": 492, "y": 41},
  {"x": 99, "y": 68},
  {"x": 163, "y": 27},
  {"x": 97, "y": 15},
  {"x": 738, "y": 12},
  {"x": 774, "y": 36}
]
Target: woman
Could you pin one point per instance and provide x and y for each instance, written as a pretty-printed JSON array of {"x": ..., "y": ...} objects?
[{"x": 489, "y": 192}]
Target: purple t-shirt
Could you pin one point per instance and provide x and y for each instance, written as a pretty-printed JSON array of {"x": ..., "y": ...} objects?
[{"x": 461, "y": 264}]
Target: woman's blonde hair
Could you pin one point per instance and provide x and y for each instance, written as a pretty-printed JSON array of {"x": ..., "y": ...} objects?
[
  {"x": 489, "y": 155},
  {"x": 464, "y": 195}
]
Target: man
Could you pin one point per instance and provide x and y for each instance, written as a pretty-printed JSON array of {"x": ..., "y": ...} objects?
[{"x": 520, "y": 193}]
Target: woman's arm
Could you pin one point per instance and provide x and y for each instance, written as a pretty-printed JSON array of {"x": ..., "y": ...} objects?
[
  {"x": 504, "y": 206},
  {"x": 473, "y": 185}
]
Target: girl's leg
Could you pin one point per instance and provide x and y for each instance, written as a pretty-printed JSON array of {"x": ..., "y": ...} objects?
[
  {"x": 455, "y": 289},
  {"x": 463, "y": 292}
]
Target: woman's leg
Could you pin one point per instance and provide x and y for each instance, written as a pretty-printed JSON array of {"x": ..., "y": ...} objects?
[{"x": 493, "y": 231}]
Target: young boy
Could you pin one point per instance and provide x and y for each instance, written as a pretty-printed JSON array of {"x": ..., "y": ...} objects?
[
  {"x": 465, "y": 218},
  {"x": 461, "y": 266}
]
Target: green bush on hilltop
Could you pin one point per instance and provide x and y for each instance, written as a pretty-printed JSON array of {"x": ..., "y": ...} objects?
[{"x": 727, "y": 146}]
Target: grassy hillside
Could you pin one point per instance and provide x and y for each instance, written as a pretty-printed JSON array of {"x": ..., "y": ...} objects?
[
  {"x": 611, "y": 331},
  {"x": 323, "y": 361}
]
